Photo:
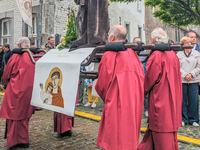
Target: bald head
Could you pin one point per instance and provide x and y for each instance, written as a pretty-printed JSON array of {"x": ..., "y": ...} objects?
[
  {"x": 117, "y": 33},
  {"x": 24, "y": 42},
  {"x": 158, "y": 36}
]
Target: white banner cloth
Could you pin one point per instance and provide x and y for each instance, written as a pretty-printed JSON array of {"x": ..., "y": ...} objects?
[
  {"x": 25, "y": 7},
  {"x": 56, "y": 80}
]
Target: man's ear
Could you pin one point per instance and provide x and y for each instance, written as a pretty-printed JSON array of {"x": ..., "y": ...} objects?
[
  {"x": 112, "y": 38},
  {"x": 152, "y": 41},
  {"x": 19, "y": 45}
]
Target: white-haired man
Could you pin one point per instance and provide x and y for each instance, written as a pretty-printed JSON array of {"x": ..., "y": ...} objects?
[
  {"x": 16, "y": 109},
  {"x": 163, "y": 83},
  {"x": 121, "y": 86}
]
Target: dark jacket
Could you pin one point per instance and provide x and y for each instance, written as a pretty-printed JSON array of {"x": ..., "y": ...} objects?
[
  {"x": 1, "y": 58},
  {"x": 6, "y": 57}
]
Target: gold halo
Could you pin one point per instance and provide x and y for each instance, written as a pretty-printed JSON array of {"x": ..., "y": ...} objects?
[{"x": 49, "y": 78}]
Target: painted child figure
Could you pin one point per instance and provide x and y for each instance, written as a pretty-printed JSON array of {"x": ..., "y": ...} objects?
[{"x": 46, "y": 96}]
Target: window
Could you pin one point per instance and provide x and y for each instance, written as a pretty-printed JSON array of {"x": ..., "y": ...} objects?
[
  {"x": 120, "y": 20},
  {"x": 32, "y": 32},
  {"x": 127, "y": 26},
  {"x": 177, "y": 35},
  {"x": 138, "y": 5},
  {"x": 5, "y": 34},
  {"x": 140, "y": 32}
]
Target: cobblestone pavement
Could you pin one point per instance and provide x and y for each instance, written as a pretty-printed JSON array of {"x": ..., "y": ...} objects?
[{"x": 84, "y": 135}]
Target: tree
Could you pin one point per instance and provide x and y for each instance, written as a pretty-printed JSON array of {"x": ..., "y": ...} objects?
[{"x": 178, "y": 12}]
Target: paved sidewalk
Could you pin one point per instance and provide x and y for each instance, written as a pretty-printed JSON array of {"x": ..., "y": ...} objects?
[{"x": 84, "y": 135}]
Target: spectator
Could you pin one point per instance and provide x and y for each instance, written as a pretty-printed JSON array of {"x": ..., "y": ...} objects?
[
  {"x": 120, "y": 85},
  {"x": 190, "y": 69},
  {"x": 163, "y": 83},
  {"x": 193, "y": 39},
  {"x": 81, "y": 88},
  {"x": 138, "y": 40},
  {"x": 32, "y": 42},
  {"x": 171, "y": 42},
  {"x": 16, "y": 109},
  {"x": 1, "y": 60},
  {"x": 92, "y": 100},
  {"x": 50, "y": 44},
  {"x": 7, "y": 54}
]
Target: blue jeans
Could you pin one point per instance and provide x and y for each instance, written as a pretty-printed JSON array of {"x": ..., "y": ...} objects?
[{"x": 190, "y": 104}]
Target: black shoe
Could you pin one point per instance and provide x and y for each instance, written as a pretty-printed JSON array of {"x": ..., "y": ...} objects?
[
  {"x": 38, "y": 109},
  {"x": 12, "y": 147},
  {"x": 67, "y": 133},
  {"x": 23, "y": 145}
]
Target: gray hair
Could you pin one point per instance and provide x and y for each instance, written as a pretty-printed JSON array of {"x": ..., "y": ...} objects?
[
  {"x": 117, "y": 34},
  {"x": 158, "y": 36},
  {"x": 24, "y": 42}
]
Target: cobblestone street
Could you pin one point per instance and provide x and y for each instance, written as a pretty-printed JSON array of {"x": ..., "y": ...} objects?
[{"x": 84, "y": 135}]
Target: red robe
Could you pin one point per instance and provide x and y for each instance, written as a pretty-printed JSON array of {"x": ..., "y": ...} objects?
[
  {"x": 163, "y": 82},
  {"x": 18, "y": 76},
  {"x": 63, "y": 123},
  {"x": 121, "y": 86}
]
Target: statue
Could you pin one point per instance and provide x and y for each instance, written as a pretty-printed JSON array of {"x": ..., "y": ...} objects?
[{"x": 92, "y": 23}]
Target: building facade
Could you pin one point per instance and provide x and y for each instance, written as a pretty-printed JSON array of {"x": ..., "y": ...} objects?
[{"x": 54, "y": 18}]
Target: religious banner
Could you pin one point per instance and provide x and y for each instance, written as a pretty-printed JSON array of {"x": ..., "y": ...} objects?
[
  {"x": 25, "y": 7},
  {"x": 56, "y": 80}
]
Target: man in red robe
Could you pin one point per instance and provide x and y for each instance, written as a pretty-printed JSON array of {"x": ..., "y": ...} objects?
[
  {"x": 163, "y": 83},
  {"x": 121, "y": 86},
  {"x": 16, "y": 109}
]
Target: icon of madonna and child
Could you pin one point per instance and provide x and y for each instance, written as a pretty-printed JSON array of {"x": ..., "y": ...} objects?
[{"x": 52, "y": 93}]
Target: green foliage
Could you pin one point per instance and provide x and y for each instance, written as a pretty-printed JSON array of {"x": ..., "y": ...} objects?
[
  {"x": 178, "y": 12},
  {"x": 71, "y": 33}
]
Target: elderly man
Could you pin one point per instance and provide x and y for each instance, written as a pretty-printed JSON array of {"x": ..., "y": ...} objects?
[
  {"x": 16, "y": 109},
  {"x": 163, "y": 83},
  {"x": 120, "y": 85},
  {"x": 193, "y": 38}
]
